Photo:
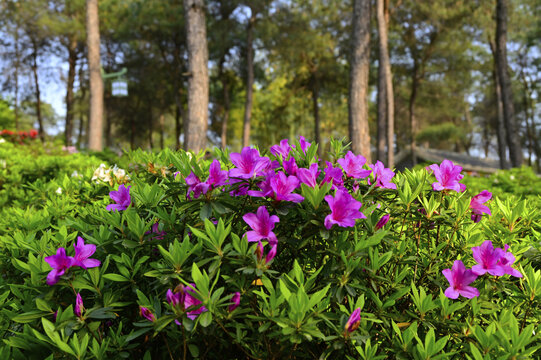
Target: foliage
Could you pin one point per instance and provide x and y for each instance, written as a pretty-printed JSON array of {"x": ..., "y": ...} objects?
[{"x": 297, "y": 305}]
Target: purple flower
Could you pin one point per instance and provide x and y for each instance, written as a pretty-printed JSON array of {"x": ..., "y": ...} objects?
[
  {"x": 334, "y": 176},
  {"x": 241, "y": 189},
  {"x": 196, "y": 186},
  {"x": 121, "y": 197},
  {"x": 353, "y": 166},
  {"x": 290, "y": 166},
  {"x": 235, "y": 301},
  {"x": 381, "y": 223},
  {"x": 382, "y": 175},
  {"x": 271, "y": 254},
  {"x": 309, "y": 176},
  {"x": 60, "y": 263},
  {"x": 191, "y": 301},
  {"x": 248, "y": 164},
  {"x": 487, "y": 259},
  {"x": 448, "y": 176},
  {"x": 175, "y": 298},
  {"x": 459, "y": 278},
  {"x": 506, "y": 261},
  {"x": 354, "y": 321},
  {"x": 283, "y": 188},
  {"x": 147, "y": 314},
  {"x": 265, "y": 186},
  {"x": 217, "y": 176},
  {"x": 344, "y": 210},
  {"x": 283, "y": 149},
  {"x": 82, "y": 254},
  {"x": 262, "y": 225},
  {"x": 79, "y": 305},
  {"x": 477, "y": 207}
]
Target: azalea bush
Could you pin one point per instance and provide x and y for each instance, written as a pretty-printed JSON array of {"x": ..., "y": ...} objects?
[{"x": 274, "y": 254}]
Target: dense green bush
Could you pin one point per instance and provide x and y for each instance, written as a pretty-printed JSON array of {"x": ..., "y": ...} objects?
[{"x": 174, "y": 258}]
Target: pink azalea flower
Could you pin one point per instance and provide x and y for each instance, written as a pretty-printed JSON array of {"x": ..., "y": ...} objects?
[
  {"x": 283, "y": 187},
  {"x": 334, "y": 176},
  {"x": 262, "y": 225},
  {"x": 271, "y": 254},
  {"x": 382, "y": 175},
  {"x": 79, "y": 305},
  {"x": 60, "y": 263},
  {"x": 82, "y": 254},
  {"x": 309, "y": 176},
  {"x": 506, "y": 261},
  {"x": 459, "y": 278},
  {"x": 195, "y": 186},
  {"x": 353, "y": 166},
  {"x": 344, "y": 210},
  {"x": 477, "y": 207},
  {"x": 290, "y": 166},
  {"x": 265, "y": 186},
  {"x": 487, "y": 259},
  {"x": 381, "y": 223},
  {"x": 191, "y": 301},
  {"x": 239, "y": 190},
  {"x": 235, "y": 301},
  {"x": 281, "y": 150},
  {"x": 304, "y": 144},
  {"x": 147, "y": 314},
  {"x": 448, "y": 176},
  {"x": 217, "y": 176},
  {"x": 248, "y": 164},
  {"x": 354, "y": 321},
  {"x": 121, "y": 197}
]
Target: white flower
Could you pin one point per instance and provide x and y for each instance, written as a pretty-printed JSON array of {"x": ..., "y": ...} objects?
[
  {"x": 59, "y": 191},
  {"x": 2, "y": 140}
]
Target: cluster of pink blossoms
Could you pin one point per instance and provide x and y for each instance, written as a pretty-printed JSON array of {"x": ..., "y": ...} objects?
[
  {"x": 494, "y": 261},
  {"x": 61, "y": 262}
]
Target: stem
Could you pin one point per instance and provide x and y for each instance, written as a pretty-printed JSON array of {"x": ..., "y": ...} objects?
[
  {"x": 404, "y": 221},
  {"x": 184, "y": 343},
  {"x": 234, "y": 340},
  {"x": 526, "y": 315},
  {"x": 169, "y": 349}
]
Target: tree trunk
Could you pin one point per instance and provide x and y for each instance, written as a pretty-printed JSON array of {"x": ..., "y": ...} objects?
[
  {"x": 358, "y": 87},
  {"x": 515, "y": 149},
  {"x": 227, "y": 105},
  {"x": 177, "y": 127},
  {"x": 81, "y": 116},
  {"x": 72, "y": 61},
  {"x": 500, "y": 131},
  {"x": 383, "y": 87},
  {"x": 95, "y": 137},
  {"x": 195, "y": 134},
  {"x": 162, "y": 131},
  {"x": 249, "y": 79},
  {"x": 41, "y": 132},
  {"x": 529, "y": 111},
  {"x": 314, "y": 87},
  {"x": 389, "y": 90},
  {"x": 17, "y": 65},
  {"x": 150, "y": 129},
  {"x": 411, "y": 107}
]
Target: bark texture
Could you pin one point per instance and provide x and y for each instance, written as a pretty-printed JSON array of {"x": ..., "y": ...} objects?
[
  {"x": 513, "y": 141},
  {"x": 249, "y": 79},
  {"x": 72, "y": 62},
  {"x": 195, "y": 128},
  {"x": 95, "y": 136},
  {"x": 41, "y": 132},
  {"x": 385, "y": 88},
  {"x": 358, "y": 87}
]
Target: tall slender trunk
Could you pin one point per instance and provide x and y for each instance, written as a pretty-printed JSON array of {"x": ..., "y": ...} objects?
[
  {"x": 358, "y": 88},
  {"x": 17, "y": 65},
  {"x": 177, "y": 127},
  {"x": 389, "y": 91},
  {"x": 314, "y": 88},
  {"x": 72, "y": 62},
  {"x": 95, "y": 137},
  {"x": 533, "y": 145},
  {"x": 383, "y": 56},
  {"x": 411, "y": 107},
  {"x": 500, "y": 131},
  {"x": 41, "y": 132},
  {"x": 249, "y": 79},
  {"x": 515, "y": 148},
  {"x": 81, "y": 116},
  {"x": 227, "y": 105},
  {"x": 162, "y": 130},
  {"x": 195, "y": 134}
]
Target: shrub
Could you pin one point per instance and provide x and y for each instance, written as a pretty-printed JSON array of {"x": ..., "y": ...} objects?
[{"x": 250, "y": 256}]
